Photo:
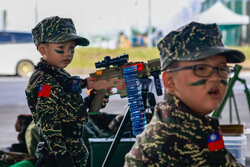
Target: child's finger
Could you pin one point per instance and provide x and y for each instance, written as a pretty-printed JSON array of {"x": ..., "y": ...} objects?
[{"x": 105, "y": 100}]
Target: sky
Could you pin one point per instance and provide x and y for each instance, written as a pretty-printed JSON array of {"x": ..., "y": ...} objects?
[{"x": 96, "y": 17}]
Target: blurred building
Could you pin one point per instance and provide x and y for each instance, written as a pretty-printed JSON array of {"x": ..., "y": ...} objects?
[{"x": 235, "y": 33}]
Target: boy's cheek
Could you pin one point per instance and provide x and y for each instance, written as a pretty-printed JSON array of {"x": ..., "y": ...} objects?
[
  {"x": 224, "y": 90},
  {"x": 224, "y": 87},
  {"x": 199, "y": 82},
  {"x": 224, "y": 82},
  {"x": 59, "y": 51}
]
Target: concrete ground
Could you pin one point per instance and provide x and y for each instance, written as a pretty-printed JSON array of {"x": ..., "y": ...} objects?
[
  {"x": 13, "y": 103},
  {"x": 9, "y": 114}
]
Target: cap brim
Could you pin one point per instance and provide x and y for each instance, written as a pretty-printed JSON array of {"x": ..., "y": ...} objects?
[
  {"x": 232, "y": 55},
  {"x": 82, "y": 41},
  {"x": 79, "y": 40}
]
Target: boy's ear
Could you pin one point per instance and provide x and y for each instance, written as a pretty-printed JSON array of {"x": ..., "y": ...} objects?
[
  {"x": 41, "y": 48},
  {"x": 168, "y": 81}
]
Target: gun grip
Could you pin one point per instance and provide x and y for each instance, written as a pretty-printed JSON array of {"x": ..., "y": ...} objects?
[{"x": 97, "y": 101}]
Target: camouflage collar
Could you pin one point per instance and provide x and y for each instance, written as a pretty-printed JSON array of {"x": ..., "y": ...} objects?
[
  {"x": 172, "y": 100},
  {"x": 44, "y": 66}
]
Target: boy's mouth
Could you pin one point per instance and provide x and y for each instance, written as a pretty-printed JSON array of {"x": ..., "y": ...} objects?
[
  {"x": 214, "y": 92},
  {"x": 66, "y": 61}
]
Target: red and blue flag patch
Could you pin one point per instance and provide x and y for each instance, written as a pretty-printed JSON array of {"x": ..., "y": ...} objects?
[
  {"x": 215, "y": 141},
  {"x": 44, "y": 91}
]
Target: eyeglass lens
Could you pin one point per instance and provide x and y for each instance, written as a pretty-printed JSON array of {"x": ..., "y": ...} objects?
[{"x": 204, "y": 70}]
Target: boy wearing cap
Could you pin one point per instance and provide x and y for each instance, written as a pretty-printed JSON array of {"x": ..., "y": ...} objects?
[
  {"x": 195, "y": 76},
  {"x": 58, "y": 112}
]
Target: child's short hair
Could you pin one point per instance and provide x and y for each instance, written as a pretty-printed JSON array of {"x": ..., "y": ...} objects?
[
  {"x": 195, "y": 41},
  {"x": 55, "y": 30}
]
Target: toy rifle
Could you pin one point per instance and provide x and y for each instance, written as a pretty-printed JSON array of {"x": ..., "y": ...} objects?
[
  {"x": 131, "y": 79},
  {"x": 111, "y": 76}
]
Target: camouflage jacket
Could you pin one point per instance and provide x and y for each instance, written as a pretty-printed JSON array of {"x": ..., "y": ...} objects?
[
  {"x": 53, "y": 109},
  {"x": 178, "y": 137}
]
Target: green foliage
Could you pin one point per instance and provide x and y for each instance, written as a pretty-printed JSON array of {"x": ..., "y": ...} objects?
[{"x": 86, "y": 57}]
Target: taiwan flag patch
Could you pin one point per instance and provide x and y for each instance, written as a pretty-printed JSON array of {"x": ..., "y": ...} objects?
[
  {"x": 44, "y": 91},
  {"x": 215, "y": 141}
]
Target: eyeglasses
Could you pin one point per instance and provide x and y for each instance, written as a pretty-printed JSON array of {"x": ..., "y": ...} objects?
[{"x": 205, "y": 70}]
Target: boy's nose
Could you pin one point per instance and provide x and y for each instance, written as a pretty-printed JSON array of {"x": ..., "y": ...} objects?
[
  {"x": 69, "y": 52},
  {"x": 215, "y": 75}
]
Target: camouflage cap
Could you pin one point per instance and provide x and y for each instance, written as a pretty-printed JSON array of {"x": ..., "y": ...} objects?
[
  {"x": 55, "y": 30},
  {"x": 195, "y": 41}
]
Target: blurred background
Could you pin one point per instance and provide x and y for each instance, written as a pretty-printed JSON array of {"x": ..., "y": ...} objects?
[
  {"x": 105, "y": 22},
  {"x": 118, "y": 26}
]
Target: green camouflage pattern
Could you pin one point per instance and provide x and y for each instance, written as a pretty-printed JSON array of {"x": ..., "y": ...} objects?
[
  {"x": 55, "y": 30},
  {"x": 176, "y": 136},
  {"x": 195, "y": 41},
  {"x": 10, "y": 158},
  {"x": 32, "y": 138},
  {"x": 60, "y": 108}
]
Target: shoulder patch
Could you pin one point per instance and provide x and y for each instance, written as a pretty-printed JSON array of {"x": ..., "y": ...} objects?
[
  {"x": 44, "y": 91},
  {"x": 215, "y": 141}
]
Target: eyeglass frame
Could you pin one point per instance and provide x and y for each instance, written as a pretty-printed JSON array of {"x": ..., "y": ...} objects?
[{"x": 193, "y": 67}]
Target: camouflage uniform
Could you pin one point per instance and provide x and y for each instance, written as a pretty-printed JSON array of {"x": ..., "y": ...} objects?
[
  {"x": 32, "y": 138},
  {"x": 59, "y": 114},
  {"x": 176, "y": 136}
]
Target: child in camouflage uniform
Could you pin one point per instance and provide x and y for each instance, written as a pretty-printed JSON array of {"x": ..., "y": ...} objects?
[
  {"x": 195, "y": 76},
  {"x": 58, "y": 112}
]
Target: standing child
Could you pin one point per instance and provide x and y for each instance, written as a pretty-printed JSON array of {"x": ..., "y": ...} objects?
[
  {"x": 195, "y": 76},
  {"x": 59, "y": 112}
]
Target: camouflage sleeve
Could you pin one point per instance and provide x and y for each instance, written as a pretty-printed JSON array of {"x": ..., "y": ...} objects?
[
  {"x": 32, "y": 138},
  {"x": 135, "y": 158},
  {"x": 231, "y": 160},
  {"x": 151, "y": 147},
  {"x": 48, "y": 112}
]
